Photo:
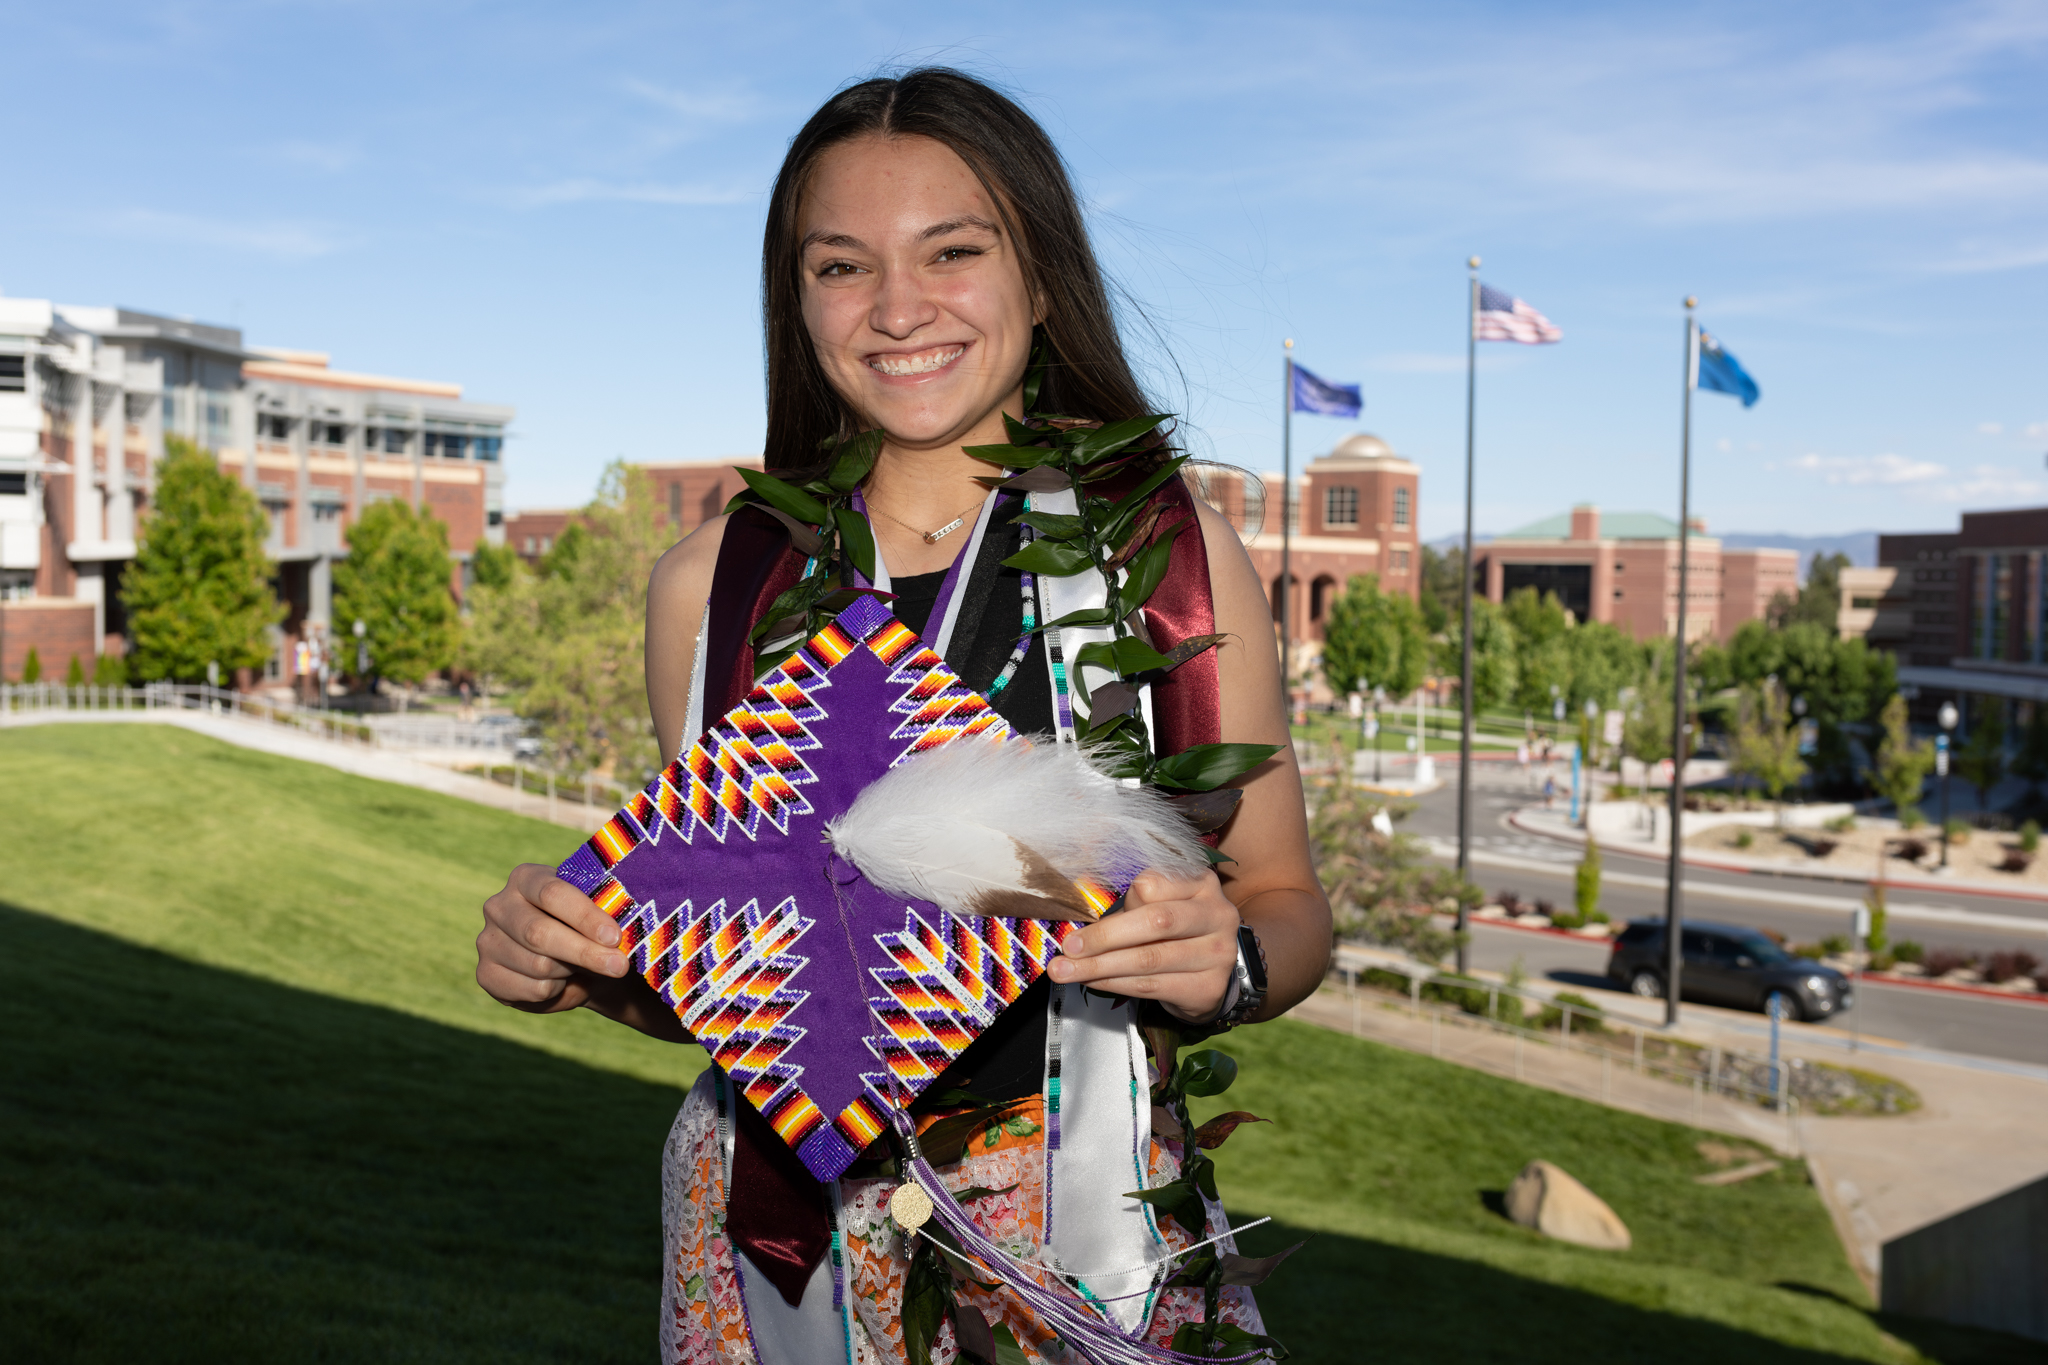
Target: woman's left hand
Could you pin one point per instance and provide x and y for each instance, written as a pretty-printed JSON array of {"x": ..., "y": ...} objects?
[{"x": 1175, "y": 941}]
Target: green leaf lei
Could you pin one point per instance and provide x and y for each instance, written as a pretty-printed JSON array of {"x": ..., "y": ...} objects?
[{"x": 1127, "y": 539}]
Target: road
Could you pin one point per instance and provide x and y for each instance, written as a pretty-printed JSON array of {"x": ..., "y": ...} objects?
[{"x": 1804, "y": 910}]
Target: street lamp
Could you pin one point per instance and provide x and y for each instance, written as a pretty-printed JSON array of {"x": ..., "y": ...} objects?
[
  {"x": 362, "y": 648},
  {"x": 1948, "y": 716}
]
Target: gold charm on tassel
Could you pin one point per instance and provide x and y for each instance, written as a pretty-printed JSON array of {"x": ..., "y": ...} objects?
[{"x": 910, "y": 1206}]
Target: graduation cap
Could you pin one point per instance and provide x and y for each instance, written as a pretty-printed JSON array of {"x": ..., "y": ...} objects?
[{"x": 832, "y": 953}]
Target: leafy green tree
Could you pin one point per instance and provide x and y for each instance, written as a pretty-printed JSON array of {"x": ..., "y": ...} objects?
[
  {"x": 570, "y": 637},
  {"x": 1374, "y": 639},
  {"x": 1604, "y": 660},
  {"x": 2032, "y": 760},
  {"x": 1543, "y": 656},
  {"x": 1820, "y": 601},
  {"x": 1842, "y": 682},
  {"x": 1981, "y": 760},
  {"x": 1443, "y": 579},
  {"x": 198, "y": 590},
  {"x": 1902, "y": 762},
  {"x": 32, "y": 666},
  {"x": 1493, "y": 655},
  {"x": 110, "y": 670},
  {"x": 1586, "y": 883},
  {"x": 492, "y": 566},
  {"x": 74, "y": 676},
  {"x": 396, "y": 580},
  {"x": 1382, "y": 886},
  {"x": 1767, "y": 740}
]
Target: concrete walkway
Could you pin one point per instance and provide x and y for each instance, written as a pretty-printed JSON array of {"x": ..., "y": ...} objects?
[
  {"x": 359, "y": 760},
  {"x": 1982, "y": 1127},
  {"x": 1556, "y": 824}
]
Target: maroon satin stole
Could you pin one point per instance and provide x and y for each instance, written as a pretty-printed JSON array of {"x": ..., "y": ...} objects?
[{"x": 775, "y": 1211}]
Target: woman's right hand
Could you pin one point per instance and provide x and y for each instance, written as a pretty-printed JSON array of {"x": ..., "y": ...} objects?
[{"x": 545, "y": 947}]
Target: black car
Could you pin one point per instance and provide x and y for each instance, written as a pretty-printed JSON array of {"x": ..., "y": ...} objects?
[{"x": 1726, "y": 964}]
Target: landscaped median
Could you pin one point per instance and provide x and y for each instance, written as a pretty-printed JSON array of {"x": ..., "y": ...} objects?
[{"x": 257, "y": 1110}]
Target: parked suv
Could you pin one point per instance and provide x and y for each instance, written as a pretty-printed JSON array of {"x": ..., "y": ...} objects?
[{"x": 1726, "y": 964}]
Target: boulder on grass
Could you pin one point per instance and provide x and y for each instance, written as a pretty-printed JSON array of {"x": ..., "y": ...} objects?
[{"x": 1545, "y": 1198}]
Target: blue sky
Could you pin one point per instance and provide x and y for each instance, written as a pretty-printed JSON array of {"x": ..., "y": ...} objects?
[{"x": 560, "y": 206}]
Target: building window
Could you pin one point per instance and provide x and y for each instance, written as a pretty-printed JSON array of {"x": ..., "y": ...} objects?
[
  {"x": 494, "y": 518},
  {"x": 1397, "y": 562},
  {"x": 13, "y": 374},
  {"x": 1401, "y": 508},
  {"x": 1340, "y": 507},
  {"x": 273, "y": 427},
  {"x": 526, "y": 546},
  {"x": 13, "y": 483},
  {"x": 395, "y": 440}
]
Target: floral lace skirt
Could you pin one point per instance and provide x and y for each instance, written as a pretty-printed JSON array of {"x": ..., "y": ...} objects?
[{"x": 704, "y": 1316}]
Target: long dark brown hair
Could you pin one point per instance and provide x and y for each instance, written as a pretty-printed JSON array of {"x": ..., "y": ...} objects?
[{"x": 1086, "y": 373}]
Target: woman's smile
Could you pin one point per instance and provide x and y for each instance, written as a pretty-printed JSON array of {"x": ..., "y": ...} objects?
[{"x": 917, "y": 363}]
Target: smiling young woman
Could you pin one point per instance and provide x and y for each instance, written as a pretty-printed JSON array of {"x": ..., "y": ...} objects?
[{"x": 923, "y": 240}]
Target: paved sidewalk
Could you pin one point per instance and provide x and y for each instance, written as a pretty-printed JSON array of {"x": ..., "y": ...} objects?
[
  {"x": 1556, "y": 824},
  {"x": 1982, "y": 1127},
  {"x": 360, "y": 760}
]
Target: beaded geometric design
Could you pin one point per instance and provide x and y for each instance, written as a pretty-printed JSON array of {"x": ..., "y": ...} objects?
[{"x": 884, "y": 981}]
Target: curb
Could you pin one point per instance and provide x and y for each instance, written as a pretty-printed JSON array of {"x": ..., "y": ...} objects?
[
  {"x": 1959, "y": 886},
  {"x": 1862, "y": 978}
]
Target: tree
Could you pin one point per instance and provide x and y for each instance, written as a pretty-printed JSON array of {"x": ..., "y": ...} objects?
[
  {"x": 1493, "y": 655},
  {"x": 1443, "y": 580},
  {"x": 571, "y": 635},
  {"x": 1820, "y": 601},
  {"x": 1902, "y": 763},
  {"x": 1981, "y": 760},
  {"x": 32, "y": 666},
  {"x": 396, "y": 582},
  {"x": 1543, "y": 657},
  {"x": 1843, "y": 682},
  {"x": 1766, "y": 740},
  {"x": 1382, "y": 886},
  {"x": 110, "y": 670},
  {"x": 1586, "y": 883},
  {"x": 492, "y": 566},
  {"x": 198, "y": 590},
  {"x": 2032, "y": 759},
  {"x": 74, "y": 676},
  {"x": 1374, "y": 639}
]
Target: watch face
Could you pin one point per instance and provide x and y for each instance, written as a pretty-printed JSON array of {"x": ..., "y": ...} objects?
[{"x": 1254, "y": 960}]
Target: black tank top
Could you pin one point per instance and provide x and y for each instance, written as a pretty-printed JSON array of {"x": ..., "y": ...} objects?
[{"x": 1007, "y": 1062}]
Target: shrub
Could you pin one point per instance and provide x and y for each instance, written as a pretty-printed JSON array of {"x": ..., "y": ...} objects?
[
  {"x": 1384, "y": 979},
  {"x": 1911, "y": 850},
  {"x": 1546, "y": 909},
  {"x": 1880, "y": 932},
  {"x": 1911, "y": 818},
  {"x": 1841, "y": 824},
  {"x": 32, "y": 666},
  {"x": 74, "y": 676},
  {"x": 2030, "y": 837},
  {"x": 1586, "y": 883},
  {"x": 1509, "y": 901},
  {"x": 1587, "y": 1017},
  {"x": 1882, "y": 962},
  {"x": 2013, "y": 962},
  {"x": 1958, "y": 830},
  {"x": 1744, "y": 837},
  {"x": 1942, "y": 961},
  {"x": 2015, "y": 861},
  {"x": 1812, "y": 951},
  {"x": 110, "y": 670},
  {"x": 1906, "y": 950},
  {"x": 1835, "y": 944}
]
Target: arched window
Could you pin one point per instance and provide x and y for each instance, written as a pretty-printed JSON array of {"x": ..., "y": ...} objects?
[
  {"x": 1340, "y": 507},
  {"x": 1319, "y": 596},
  {"x": 1401, "y": 508}
]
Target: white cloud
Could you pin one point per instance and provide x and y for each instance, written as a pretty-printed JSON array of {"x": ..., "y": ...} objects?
[
  {"x": 2037, "y": 429},
  {"x": 1993, "y": 483},
  {"x": 640, "y": 192},
  {"x": 286, "y": 239},
  {"x": 1990, "y": 428},
  {"x": 1869, "y": 469},
  {"x": 1724, "y": 445}
]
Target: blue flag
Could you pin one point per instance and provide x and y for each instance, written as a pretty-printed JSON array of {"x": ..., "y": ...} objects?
[
  {"x": 1319, "y": 395},
  {"x": 1720, "y": 371}
]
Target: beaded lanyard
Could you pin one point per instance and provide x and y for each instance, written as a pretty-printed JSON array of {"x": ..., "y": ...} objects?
[{"x": 1029, "y": 590}]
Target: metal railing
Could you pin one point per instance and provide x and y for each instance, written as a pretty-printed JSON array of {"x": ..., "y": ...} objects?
[
  {"x": 1646, "y": 1048},
  {"x": 18, "y": 700}
]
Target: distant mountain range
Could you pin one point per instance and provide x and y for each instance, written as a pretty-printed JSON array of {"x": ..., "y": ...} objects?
[{"x": 1860, "y": 546}]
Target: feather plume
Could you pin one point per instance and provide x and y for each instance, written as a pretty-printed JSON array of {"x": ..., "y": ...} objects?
[{"x": 993, "y": 827}]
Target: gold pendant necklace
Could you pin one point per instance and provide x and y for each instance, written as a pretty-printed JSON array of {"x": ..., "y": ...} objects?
[{"x": 931, "y": 537}]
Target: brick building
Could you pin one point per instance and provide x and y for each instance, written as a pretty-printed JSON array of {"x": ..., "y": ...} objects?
[
  {"x": 1967, "y": 611},
  {"x": 87, "y": 398},
  {"x": 1622, "y": 568},
  {"x": 687, "y": 493}
]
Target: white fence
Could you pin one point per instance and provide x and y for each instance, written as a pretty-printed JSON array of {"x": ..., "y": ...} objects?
[{"x": 491, "y": 736}]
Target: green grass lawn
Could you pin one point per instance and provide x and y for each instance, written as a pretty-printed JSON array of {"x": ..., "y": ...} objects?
[{"x": 253, "y": 1108}]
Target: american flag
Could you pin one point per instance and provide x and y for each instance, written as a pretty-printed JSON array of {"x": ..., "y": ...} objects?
[{"x": 1505, "y": 318}]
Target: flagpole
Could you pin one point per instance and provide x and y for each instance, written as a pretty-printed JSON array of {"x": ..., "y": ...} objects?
[
  {"x": 1286, "y": 597},
  {"x": 1674, "y": 958},
  {"x": 1465, "y": 629}
]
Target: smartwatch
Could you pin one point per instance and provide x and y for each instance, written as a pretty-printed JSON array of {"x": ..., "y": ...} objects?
[{"x": 1247, "y": 990}]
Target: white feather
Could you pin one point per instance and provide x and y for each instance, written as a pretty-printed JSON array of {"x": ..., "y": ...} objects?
[{"x": 978, "y": 824}]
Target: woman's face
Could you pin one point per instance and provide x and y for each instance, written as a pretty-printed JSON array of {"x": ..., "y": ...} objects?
[{"x": 913, "y": 293}]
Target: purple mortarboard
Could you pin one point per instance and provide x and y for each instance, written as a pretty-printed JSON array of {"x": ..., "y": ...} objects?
[{"x": 826, "y": 999}]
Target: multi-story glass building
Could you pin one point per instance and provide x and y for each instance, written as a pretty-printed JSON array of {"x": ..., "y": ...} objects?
[{"x": 88, "y": 396}]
